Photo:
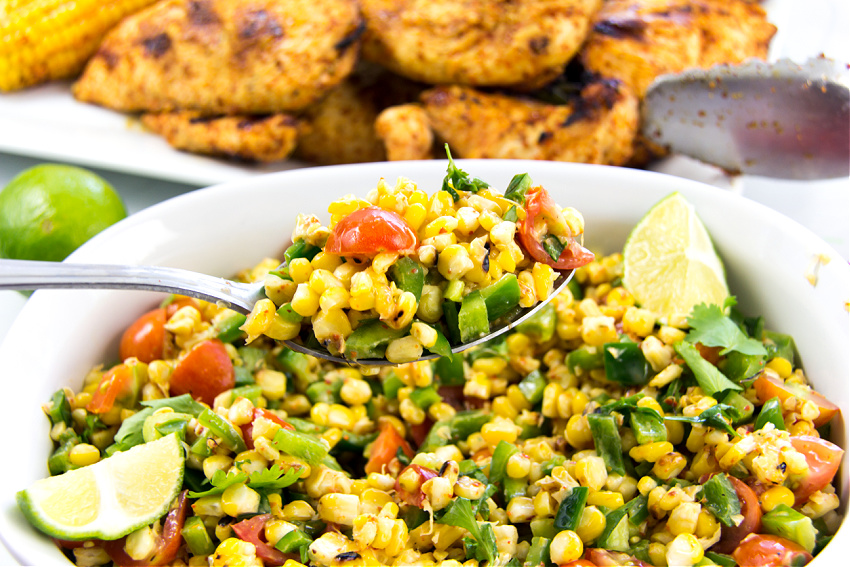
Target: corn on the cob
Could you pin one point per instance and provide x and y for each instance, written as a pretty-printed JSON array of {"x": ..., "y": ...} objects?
[{"x": 43, "y": 40}]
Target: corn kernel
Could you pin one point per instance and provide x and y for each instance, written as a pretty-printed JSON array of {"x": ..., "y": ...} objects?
[
  {"x": 339, "y": 508},
  {"x": 565, "y": 547},
  {"x": 775, "y": 496}
]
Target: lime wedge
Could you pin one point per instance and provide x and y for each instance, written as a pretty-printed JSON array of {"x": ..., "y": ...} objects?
[
  {"x": 670, "y": 264},
  {"x": 111, "y": 498}
]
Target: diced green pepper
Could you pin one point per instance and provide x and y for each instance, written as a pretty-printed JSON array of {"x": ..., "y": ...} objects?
[
  {"x": 249, "y": 392},
  {"x": 569, "y": 512},
  {"x": 738, "y": 366},
  {"x": 301, "y": 445},
  {"x": 786, "y": 522},
  {"x": 647, "y": 426},
  {"x": 472, "y": 318},
  {"x": 408, "y": 275},
  {"x": 543, "y": 527},
  {"x": 743, "y": 408},
  {"x": 425, "y": 397},
  {"x": 454, "y": 291},
  {"x": 449, "y": 371},
  {"x": 625, "y": 364},
  {"x": 771, "y": 412},
  {"x": 227, "y": 329},
  {"x": 323, "y": 392},
  {"x": 293, "y": 541},
  {"x": 606, "y": 438},
  {"x": 501, "y": 296},
  {"x": 615, "y": 535},
  {"x": 514, "y": 487},
  {"x": 391, "y": 385},
  {"x": 541, "y": 325},
  {"x": 442, "y": 346},
  {"x": 538, "y": 553},
  {"x": 288, "y": 314},
  {"x": 721, "y": 559},
  {"x": 300, "y": 249},
  {"x": 370, "y": 339},
  {"x": 461, "y": 426},
  {"x": 584, "y": 358},
  {"x": 223, "y": 429},
  {"x": 160, "y": 424},
  {"x": 532, "y": 386},
  {"x": 197, "y": 537},
  {"x": 780, "y": 344},
  {"x": 499, "y": 462},
  {"x": 450, "y": 315},
  {"x": 297, "y": 365}
]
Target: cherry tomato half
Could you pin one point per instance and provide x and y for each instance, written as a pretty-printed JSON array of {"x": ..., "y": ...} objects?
[
  {"x": 385, "y": 447},
  {"x": 249, "y": 530},
  {"x": 730, "y": 537},
  {"x": 145, "y": 338},
  {"x": 823, "y": 458},
  {"x": 540, "y": 208},
  {"x": 169, "y": 540},
  {"x": 117, "y": 384},
  {"x": 371, "y": 230},
  {"x": 205, "y": 372},
  {"x": 758, "y": 550},
  {"x": 768, "y": 387}
]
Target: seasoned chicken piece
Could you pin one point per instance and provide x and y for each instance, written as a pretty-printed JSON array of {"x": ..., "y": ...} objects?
[
  {"x": 637, "y": 40},
  {"x": 405, "y": 132},
  {"x": 597, "y": 126},
  {"x": 341, "y": 127},
  {"x": 224, "y": 56},
  {"x": 261, "y": 138},
  {"x": 522, "y": 43}
]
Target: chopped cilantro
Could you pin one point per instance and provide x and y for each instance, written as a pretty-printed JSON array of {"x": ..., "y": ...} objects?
[
  {"x": 717, "y": 416},
  {"x": 273, "y": 478},
  {"x": 459, "y": 514},
  {"x": 720, "y": 497},
  {"x": 709, "y": 378},
  {"x": 553, "y": 246},
  {"x": 458, "y": 180},
  {"x": 710, "y": 327}
]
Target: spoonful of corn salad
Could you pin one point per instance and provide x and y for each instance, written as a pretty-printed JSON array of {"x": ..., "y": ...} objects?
[{"x": 392, "y": 275}]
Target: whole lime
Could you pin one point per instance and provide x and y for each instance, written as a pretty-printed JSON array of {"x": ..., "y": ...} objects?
[{"x": 49, "y": 210}]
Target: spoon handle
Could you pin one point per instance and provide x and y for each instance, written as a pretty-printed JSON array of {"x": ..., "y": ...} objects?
[{"x": 30, "y": 275}]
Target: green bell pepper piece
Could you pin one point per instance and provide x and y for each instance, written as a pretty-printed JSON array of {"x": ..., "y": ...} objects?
[
  {"x": 742, "y": 407},
  {"x": 223, "y": 429},
  {"x": 370, "y": 339},
  {"x": 541, "y": 325},
  {"x": 472, "y": 318},
  {"x": 461, "y": 426},
  {"x": 501, "y": 296},
  {"x": 197, "y": 537},
  {"x": 408, "y": 275},
  {"x": 518, "y": 188},
  {"x": 532, "y": 386},
  {"x": 786, "y": 522},
  {"x": 606, "y": 438},
  {"x": 227, "y": 329},
  {"x": 625, "y": 364},
  {"x": 771, "y": 412},
  {"x": 300, "y": 249},
  {"x": 569, "y": 512}
]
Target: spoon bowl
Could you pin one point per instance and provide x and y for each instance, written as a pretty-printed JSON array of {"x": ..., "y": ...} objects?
[{"x": 240, "y": 297}]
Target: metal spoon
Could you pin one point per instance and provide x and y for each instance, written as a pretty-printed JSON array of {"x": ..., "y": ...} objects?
[
  {"x": 783, "y": 120},
  {"x": 241, "y": 297}
]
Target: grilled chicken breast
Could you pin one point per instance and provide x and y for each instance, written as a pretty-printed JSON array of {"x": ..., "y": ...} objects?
[{"x": 224, "y": 56}]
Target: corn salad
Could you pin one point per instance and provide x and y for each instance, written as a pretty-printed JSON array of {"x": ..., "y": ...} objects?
[
  {"x": 591, "y": 431},
  {"x": 402, "y": 272}
]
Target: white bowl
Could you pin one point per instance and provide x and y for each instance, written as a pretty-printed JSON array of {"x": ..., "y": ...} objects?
[{"x": 59, "y": 335}]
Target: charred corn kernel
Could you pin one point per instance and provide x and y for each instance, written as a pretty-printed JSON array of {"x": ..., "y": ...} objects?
[
  {"x": 332, "y": 326},
  {"x": 339, "y": 508},
  {"x": 340, "y": 416},
  {"x": 215, "y": 463},
  {"x": 44, "y": 40},
  {"x": 669, "y": 465},
  {"x": 591, "y": 524},
  {"x": 544, "y": 278},
  {"x": 781, "y": 366},
  {"x": 565, "y": 547},
  {"x": 707, "y": 525},
  {"x": 578, "y": 433},
  {"x": 606, "y": 498},
  {"x": 298, "y": 510},
  {"x": 300, "y": 270},
  {"x": 439, "y": 492},
  {"x": 641, "y": 322},
  {"x": 658, "y": 553},
  {"x": 591, "y": 472},
  {"x": 500, "y": 429},
  {"x": 651, "y": 452},
  {"x": 518, "y": 466},
  {"x": 684, "y": 517},
  {"x": 279, "y": 290},
  {"x": 382, "y": 262},
  {"x": 355, "y": 392},
  {"x": 405, "y": 310},
  {"x": 415, "y": 215},
  {"x": 411, "y": 413},
  {"x": 240, "y": 499},
  {"x": 775, "y": 496},
  {"x": 305, "y": 301},
  {"x": 598, "y": 330},
  {"x": 405, "y": 349},
  {"x": 234, "y": 551},
  {"x": 684, "y": 550},
  {"x": 520, "y": 509},
  {"x": 425, "y": 334},
  {"x": 469, "y": 488},
  {"x": 84, "y": 454}
]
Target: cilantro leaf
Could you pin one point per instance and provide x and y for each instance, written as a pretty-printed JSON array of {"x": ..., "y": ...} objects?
[
  {"x": 274, "y": 478},
  {"x": 718, "y": 416},
  {"x": 709, "y": 378},
  {"x": 712, "y": 328},
  {"x": 220, "y": 481},
  {"x": 720, "y": 497},
  {"x": 459, "y": 514},
  {"x": 458, "y": 180}
]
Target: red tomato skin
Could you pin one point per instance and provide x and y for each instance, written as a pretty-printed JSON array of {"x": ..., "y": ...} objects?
[
  {"x": 823, "y": 458},
  {"x": 115, "y": 382},
  {"x": 169, "y": 543},
  {"x": 145, "y": 338},
  {"x": 385, "y": 447},
  {"x": 574, "y": 255},
  {"x": 758, "y": 550},
  {"x": 750, "y": 509},
  {"x": 767, "y": 387},
  {"x": 371, "y": 230},
  {"x": 599, "y": 557},
  {"x": 415, "y": 499},
  {"x": 205, "y": 372},
  {"x": 249, "y": 530}
]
